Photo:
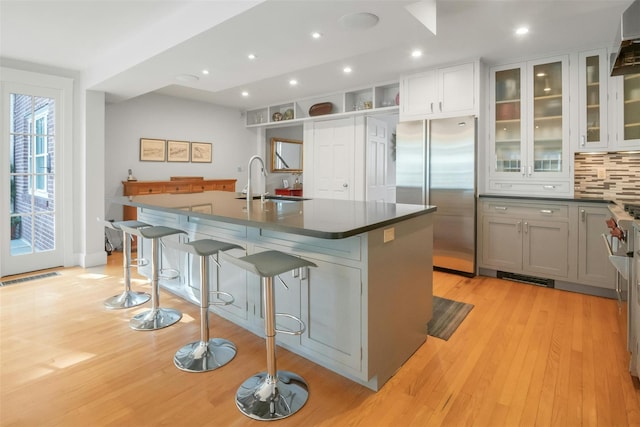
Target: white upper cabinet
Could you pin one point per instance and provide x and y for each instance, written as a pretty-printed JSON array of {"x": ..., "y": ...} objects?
[
  {"x": 627, "y": 90},
  {"x": 529, "y": 130},
  {"x": 442, "y": 92},
  {"x": 593, "y": 101}
]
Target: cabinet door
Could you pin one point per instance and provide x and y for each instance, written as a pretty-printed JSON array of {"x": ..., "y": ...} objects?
[
  {"x": 332, "y": 311},
  {"x": 502, "y": 243},
  {"x": 419, "y": 95},
  {"x": 594, "y": 267},
  {"x": 546, "y": 247},
  {"x": 456, "y": 87},
  {"x": 592, "y": 82},
  {"x": 507, "y": 94},
  {"x": 233, "y": 280},
  {"x": 548, "y": 109},
  {"x": 628, "y": 101}
]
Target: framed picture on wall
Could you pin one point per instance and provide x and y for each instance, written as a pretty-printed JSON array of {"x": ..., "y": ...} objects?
[
  {"x": 178, "y": 151},
  {"x": 152, "y": 150},
  {"x": 201, "y": 152}
]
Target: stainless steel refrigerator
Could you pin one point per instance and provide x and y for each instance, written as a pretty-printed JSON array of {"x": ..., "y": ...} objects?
[{"x": 436, "y": 165}]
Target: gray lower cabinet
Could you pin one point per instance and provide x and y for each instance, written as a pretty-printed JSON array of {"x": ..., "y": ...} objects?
[
  {"x": 516, "y": 240},
  {"x": 594, "y": 267},
  {"x": 546, "y": 239}
]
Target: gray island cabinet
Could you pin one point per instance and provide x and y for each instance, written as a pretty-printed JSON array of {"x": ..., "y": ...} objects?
[{"x": 367, "y": 304}]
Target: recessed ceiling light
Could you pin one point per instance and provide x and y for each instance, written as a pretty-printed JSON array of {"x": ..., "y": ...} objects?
[
  {"x": 416, "y": 53},
  {"x": 293, "y": 82},
  {"x": 521, "y": 31},
  {"x": 347, "y": 70},
  {"x": 316, "y": 35},
  {"x": 205, "y": 72},
  {"x": 245, "y": 93},
  {"x": 251, "y": 56},
  {"x": 187, "y": 78}
]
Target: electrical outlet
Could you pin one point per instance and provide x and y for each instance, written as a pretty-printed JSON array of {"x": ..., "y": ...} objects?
[
  {"x": 389, "y": 234},
  {"x": 602, "y": 173}
]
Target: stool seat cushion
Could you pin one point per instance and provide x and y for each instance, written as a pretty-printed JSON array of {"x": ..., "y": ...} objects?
[
  {"x": 269, "y": 263},
  {"x": 131, "y": 224},
  {"x": 158, "y": 232},
  {"x": 206, "y": 247}
]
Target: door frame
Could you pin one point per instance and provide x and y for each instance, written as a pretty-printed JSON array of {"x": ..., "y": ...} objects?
[{"x": 26, "y": 82}]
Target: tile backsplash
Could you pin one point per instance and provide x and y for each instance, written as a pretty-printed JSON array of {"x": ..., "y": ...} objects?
[{"x": 621, "y": 180}]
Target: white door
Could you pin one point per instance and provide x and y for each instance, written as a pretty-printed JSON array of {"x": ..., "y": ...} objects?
[
  {"x": 31, "y": 118},
  {"x": 377, "y": 142},
  {"x": 334, "y": 152}
]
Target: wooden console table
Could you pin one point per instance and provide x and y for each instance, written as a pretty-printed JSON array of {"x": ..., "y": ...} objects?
[{"x": 175, "y": 185}]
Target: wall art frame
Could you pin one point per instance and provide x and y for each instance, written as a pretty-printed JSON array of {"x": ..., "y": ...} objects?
[
  {"x": 153, "y": 150},
  {"x": 201, "y": 152},
  {"x": 178, "y": 151}
]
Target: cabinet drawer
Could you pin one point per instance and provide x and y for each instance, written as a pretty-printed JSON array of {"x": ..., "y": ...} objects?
[
  {"x": 224, "y": 187},
  {"x": 542, "y": 210},
  {"x": 538, "y": 188},
  {"x": 173, "y": 187},
  {"x": 205, "y": 186},
  {"x": 146, "y": 189}
]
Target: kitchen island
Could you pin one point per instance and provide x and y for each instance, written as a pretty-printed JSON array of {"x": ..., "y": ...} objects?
[{"x": 367, "y": 304}]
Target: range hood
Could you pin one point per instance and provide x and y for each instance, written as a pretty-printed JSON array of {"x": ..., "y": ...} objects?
[{"x": 627, "y": 60}]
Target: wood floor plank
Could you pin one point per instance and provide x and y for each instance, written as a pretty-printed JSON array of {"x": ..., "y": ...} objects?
[{"x": 525, "y": 355}]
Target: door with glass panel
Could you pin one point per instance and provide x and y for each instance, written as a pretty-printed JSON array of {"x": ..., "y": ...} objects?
[{"x": 34, "y": 224}]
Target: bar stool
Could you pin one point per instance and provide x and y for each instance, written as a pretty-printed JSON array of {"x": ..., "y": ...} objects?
[
  {"x": 127, "y": 298},
  {"x": 206, "y": 354},
  {"x": 156, "y": 317},
  {"x": 273, "y": 394}
]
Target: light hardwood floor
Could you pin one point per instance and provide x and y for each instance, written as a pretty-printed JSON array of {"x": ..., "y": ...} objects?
[{"x": 525, "y": 355}]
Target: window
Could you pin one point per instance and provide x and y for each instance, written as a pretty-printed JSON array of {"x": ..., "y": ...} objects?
[{"x": 38, "y": 153}]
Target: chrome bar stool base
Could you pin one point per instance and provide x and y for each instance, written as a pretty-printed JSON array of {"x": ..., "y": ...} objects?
[
  {"x": 155, "y": 318},
  {"x": 263, "y": 397},
  {"x": 200, "y": 356},
  {"x": 126, "y": 299}
]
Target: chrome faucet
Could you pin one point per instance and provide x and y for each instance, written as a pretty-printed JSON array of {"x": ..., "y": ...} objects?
[{"x": 264, "y": 173}]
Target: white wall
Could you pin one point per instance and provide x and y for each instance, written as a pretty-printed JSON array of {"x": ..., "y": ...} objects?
[{"x": 166, "y": 117}]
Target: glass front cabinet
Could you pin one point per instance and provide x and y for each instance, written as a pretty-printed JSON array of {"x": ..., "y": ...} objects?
[
  {"x": 593, "y": 75},
  {"x": 628, "y": 102},
  {"x": 528, "y": 132}
]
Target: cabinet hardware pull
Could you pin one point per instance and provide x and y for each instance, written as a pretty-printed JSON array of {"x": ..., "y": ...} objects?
[
  {"x": 549, "y": 187},
  {"x": 500, "y": 208},
  {"x": 529, "y": 170},
  {"x": 295, "y": 272},
  {"x": 546, "y": 211},
  {"x": 432, "y": 107},
  {"x": 526, "y": 227},
  {"x": 303, "y": 273},
  {"x": 583, "y": 215},
  {"x": 519, "y": 226},
  {"x": 582, "y": 141},
  {"x": 440, "y": 106}
]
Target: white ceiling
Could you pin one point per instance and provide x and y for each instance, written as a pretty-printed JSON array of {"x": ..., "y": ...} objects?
[{"x": 131, "y": 47}]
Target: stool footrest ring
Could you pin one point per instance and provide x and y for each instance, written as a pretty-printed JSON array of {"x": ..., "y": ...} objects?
[
  {"x": 139, "y": 262},
  {"x": 229, "y": 298},
  {"x": 169, "y": 273},
  {"x": 288, "y": 331}
]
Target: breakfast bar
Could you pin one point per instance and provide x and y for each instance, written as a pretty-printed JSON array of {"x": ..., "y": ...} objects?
[{"x": 367, "y": 304}]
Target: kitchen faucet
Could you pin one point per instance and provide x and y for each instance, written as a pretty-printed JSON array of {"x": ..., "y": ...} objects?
[{"x": 264, "y": 173}]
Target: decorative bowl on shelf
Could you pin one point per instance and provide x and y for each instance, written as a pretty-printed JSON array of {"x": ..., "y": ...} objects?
[
  {"x": 288, "y": 115},
  {"x": 320, "y": 109},
  {"x": 277, "y": 116}
]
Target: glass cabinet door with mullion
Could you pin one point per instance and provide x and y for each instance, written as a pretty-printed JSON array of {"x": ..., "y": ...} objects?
[
  {"x": 631, "y": 108},
  {"x": 593, "y": 100},
  {"x": 507, "y": 113},
  {"x": 548, "y": 104}
]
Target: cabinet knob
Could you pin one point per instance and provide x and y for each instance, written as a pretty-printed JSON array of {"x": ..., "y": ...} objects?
[
  {"x": 150, "y": 190},
  {"x": 345, "y": 185}
]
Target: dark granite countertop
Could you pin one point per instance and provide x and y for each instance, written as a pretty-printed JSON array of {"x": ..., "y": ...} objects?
[
  {"x": 548, "y": 199},
  {"x": 324, "y": 218}
]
